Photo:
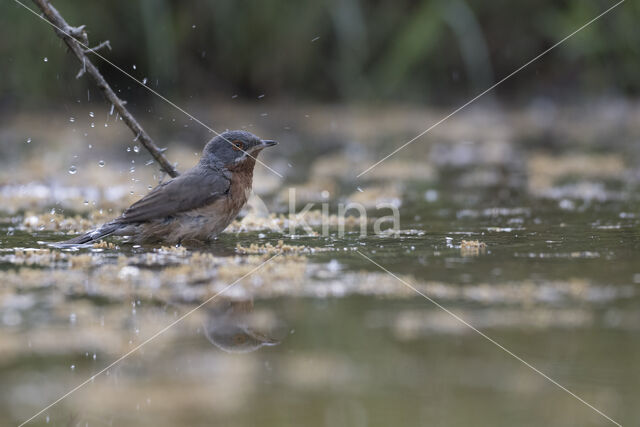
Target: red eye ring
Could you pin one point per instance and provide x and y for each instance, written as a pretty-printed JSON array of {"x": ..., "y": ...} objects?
[{"x": 237, "y": 145}]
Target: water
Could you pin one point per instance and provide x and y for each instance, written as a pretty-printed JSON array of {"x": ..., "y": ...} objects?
[
  {"x": 321, "y": 335},
  {"x": 558, "y": 291}
]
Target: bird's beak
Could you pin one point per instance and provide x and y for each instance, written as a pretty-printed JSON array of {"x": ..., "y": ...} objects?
[{"x": 264, "y": 143}]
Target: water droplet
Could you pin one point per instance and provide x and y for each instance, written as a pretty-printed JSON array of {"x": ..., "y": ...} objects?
[
  {"x": 234, "y": 96},
  {"x": 93, "y": 125},
  {"x": 46, "y": 59},
  {"x": 94, "y": 356},
  {"x": 28, "y": 140},
  {"x": 193, "y": 26},
  {"x": 431, "y": 195},
  {"x": 144, "y": 81},
  {"x": 101, "y": 163},
  {"x": 72, "y": 119},
  {"x": 106, "y": 125},
  {"x": 111, "y": 111},
  {"x": 52, "y": 211},
  {"x": 134, "y": 66},
  {"x": 136, "y": 148},
  {"x": 72, "y": 318},
  {"x": 149, "y": 187},
  {"x": 90, "y": 145},
  {"x": 360, "y": 190},
  {"x": 47, "y": 419},
  {"x": 73, "y": 170},
  {"x": 128, "y": 149},
  {"x": 315, "y": 39},
  {"x": 261, "y": 96},
  {"x": 86, "y": 202},
  {"x": 91, "y": 114},
  {"x": 73, "y": 367}
]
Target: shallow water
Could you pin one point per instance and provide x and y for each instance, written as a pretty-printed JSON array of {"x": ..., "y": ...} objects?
[{"x": 320, "y": 335}]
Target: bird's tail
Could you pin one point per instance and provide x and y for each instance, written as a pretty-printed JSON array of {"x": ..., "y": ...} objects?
[{"x": 93, "y": 235}]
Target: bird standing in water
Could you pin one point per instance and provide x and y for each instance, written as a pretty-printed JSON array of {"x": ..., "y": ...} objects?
[{"x": 196, "y": 205}]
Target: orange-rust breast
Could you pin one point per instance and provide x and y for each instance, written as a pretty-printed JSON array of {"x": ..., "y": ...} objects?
[
  {"x": 238, "y": 195},
  {"x": 241, "y": 183}
]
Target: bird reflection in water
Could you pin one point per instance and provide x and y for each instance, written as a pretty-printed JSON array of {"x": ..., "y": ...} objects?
[{"x": 232, "y": 326}]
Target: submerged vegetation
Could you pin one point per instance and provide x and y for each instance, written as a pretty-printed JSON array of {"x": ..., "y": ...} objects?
[{"x": 515, "y": 240}]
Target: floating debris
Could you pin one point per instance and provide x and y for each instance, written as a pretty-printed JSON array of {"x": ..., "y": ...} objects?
[
  {"x": 104, "y": 245},
  {"x": 472, "y": 248},
  {"x": 280, "y": 248}
]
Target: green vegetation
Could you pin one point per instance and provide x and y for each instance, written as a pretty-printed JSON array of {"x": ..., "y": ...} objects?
[{"x": 416, "y": 51}]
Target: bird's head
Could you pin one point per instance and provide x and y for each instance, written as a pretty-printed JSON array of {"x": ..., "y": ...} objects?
[{"x": 233, "y": 148}]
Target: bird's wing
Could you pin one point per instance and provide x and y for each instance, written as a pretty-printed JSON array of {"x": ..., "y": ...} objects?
[{"x": 192, "y": 190}]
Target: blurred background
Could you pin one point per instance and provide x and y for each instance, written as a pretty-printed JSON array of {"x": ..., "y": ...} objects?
[
  {"x": 520, "y": 213},
  {"x": 406, "y": 51}
]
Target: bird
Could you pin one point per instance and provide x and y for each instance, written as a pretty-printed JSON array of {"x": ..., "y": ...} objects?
[
  {"x": 231, "y": 326},
  {"x": 194, "y": 206}
]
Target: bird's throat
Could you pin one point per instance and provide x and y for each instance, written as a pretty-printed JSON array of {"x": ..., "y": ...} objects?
[{"x": 244, "y": 167}]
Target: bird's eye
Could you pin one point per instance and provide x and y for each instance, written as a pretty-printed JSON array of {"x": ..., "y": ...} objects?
[
  {"x": 237, "y": 145},
  {"x": 239, "y": 339}
]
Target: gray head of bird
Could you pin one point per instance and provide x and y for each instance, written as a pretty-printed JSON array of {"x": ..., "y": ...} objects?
[{"x": 233, "y": 148}]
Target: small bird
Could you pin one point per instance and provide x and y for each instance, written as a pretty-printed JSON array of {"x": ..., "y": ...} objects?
[
  {"x": 232, "y": 327},
  {"x": 196, "y": 205}
]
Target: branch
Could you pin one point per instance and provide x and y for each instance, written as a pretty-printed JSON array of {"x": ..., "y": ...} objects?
[
  {"x": 100, "y": 46},
  {"x": 76, "y": 39}
]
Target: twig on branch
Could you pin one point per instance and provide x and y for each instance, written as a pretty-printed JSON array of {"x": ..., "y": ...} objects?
[
  {"x": 78, "y": 42},
  {"x": 100, "y": 46}
]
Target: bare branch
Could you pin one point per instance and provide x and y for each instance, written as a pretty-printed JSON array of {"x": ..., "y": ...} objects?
[
  {"x": 77, "y": 40},
  {"x": 100, "y": 46},
  {"x": 79, "y": 33},
  {"x": 82, "y": 70}
]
